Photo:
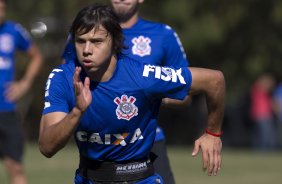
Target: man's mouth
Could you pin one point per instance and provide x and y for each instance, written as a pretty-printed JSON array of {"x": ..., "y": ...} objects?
[{"x": 87, "y": 62}]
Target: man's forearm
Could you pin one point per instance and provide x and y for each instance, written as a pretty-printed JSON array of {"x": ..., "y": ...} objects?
[
  {"x": 55, "y": 137},
  {"x": 215, "y": 104}
]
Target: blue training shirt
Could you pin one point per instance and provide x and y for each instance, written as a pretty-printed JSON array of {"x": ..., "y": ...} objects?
[
  {"x": 148, "y": 42},
  {"x": 154, "y": 43},
  {"x": 119, "y": 123},
  {"x": 12, "y": 37}
]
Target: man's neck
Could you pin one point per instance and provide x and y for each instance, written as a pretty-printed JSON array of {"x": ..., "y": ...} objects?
[
  {"x": 106, "y": 73},
  {"x": 130, "y": 22}
]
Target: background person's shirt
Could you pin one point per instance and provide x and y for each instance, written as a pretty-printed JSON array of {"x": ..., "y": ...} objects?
[{"x": 12, "y": 37}]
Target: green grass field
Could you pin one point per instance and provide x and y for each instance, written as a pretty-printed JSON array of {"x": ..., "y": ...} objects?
[{"x": 239, "y": 167}]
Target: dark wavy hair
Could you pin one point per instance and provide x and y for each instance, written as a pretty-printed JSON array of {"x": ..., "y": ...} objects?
[{"x": 94, "y": 15}]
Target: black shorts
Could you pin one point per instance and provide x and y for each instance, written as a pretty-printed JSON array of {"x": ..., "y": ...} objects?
[
  {"x": 11, "y": 136},
  {"x": 161, "y": 164}
]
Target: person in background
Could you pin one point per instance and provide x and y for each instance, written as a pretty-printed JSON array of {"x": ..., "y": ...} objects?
[
  {"x": 277, "y": 100},
  {"x": 12, "y": 37},
  {"x": 261, "y": 112},
  {"x": 153, "y": 43},
  {"x": 109, "y": 102}
]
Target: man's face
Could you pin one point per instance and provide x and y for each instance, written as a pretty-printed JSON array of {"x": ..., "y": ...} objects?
[
  {"x": 2, "y": 11},
  {"x": 125, "y": 9},
  {"x": 94, "y": 49}
]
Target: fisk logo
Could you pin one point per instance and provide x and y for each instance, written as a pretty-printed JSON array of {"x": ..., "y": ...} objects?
[
  {"x": 164, "y": 73},
  {"x": 126, "y": 108}
]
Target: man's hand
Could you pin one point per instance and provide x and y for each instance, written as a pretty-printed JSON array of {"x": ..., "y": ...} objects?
[
  {"x": 82, "y": 91},
  {"x": 211, "y": 152}
]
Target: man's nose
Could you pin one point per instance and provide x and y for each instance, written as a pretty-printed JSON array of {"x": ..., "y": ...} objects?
[{"x": 87, "y": 50}]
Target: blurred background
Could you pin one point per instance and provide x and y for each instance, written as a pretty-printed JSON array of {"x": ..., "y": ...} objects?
[{"x": 243, "y": 38}]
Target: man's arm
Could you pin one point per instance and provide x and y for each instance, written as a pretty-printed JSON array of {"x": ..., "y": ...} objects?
[
  {"x": 212, "y": 84},
  {"x": 56, "y": 128},
  {"x": 17, "y": 89}
]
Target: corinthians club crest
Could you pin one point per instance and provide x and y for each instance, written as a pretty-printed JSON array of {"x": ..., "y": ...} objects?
[
  {"x": 126, "y": 108},
  {"x": 141, "y": 46}
]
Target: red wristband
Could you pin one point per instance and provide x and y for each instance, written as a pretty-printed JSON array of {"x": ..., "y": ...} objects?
[{"x": 214, "y": 134}]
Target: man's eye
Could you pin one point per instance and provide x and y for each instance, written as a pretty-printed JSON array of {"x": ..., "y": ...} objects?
[
  {"x": 80, "y": 41},
  {"x": 96, "y": 42}
]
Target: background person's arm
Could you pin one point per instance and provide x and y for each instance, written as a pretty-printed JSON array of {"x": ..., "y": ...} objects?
[
  {"x": 17, "y": 89},
  {"x": 176, "y": 104}
]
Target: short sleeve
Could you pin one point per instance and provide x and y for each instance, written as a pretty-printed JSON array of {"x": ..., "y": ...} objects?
[
  {"x": 23, "y": 39},
  {"x": 174, "y": 54},
  {"x": 166, "y": 82},
  {"x": 57, "y": 93},
  {"x": 69, "y": 52}
]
